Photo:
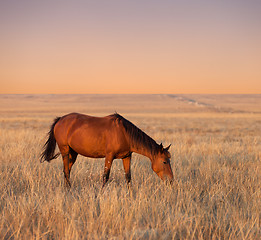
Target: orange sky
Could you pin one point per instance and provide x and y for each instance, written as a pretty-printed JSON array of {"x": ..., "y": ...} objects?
[{"x": 130, "y": 46}]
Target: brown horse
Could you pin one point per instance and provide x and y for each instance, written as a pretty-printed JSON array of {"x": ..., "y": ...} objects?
[{"x": 111, "y": 137}]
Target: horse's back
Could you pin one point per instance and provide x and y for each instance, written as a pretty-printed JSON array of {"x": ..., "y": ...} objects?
[{"x": 73, "y": 121}]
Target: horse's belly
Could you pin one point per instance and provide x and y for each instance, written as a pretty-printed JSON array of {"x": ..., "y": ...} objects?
[{"x": 88, "y": 145}]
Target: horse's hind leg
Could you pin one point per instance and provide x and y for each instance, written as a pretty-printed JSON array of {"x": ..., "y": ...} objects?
[
  {"x": 107, "y": 168},
  {"x": 69, "y": 158},
  {"x": 66, "y": 169},
  {"x": 72, "y": 159}
]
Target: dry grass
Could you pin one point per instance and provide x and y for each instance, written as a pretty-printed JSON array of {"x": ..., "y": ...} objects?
[{"x": 216, "y": 192}]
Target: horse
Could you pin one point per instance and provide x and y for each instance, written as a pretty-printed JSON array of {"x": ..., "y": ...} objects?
[{"x": 111, "y": 137}]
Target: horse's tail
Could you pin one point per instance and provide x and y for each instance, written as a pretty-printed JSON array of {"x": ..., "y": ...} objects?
[{"x": 50, "y": 144}]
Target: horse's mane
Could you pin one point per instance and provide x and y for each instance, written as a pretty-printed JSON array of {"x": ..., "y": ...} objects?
[{"x": 137, "y": 136}]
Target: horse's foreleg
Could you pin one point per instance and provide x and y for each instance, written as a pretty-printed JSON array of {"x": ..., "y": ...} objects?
[
  {"x": 107, "y": 169},
  {"x": 127, "y": 168}
]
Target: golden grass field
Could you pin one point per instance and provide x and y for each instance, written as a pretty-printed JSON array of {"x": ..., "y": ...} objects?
[{"x": 216, "y": 154}]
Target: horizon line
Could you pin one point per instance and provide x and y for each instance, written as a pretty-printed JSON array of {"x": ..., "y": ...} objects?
[{"x": 130, "y": 93}]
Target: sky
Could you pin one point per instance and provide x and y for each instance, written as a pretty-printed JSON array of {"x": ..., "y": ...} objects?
[{"x": 125, "y": 47}]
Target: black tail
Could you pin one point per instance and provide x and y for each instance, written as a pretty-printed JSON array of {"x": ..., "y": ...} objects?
[{"x": 49, "y": 146}]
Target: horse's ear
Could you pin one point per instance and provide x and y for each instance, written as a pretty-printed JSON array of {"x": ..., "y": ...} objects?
[
  {"x": 167, "y": 148},
  {"x": 161, "y": 147}
]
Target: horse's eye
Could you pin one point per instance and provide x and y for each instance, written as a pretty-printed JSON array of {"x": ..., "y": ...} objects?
[{"x": 165, "y": 162}]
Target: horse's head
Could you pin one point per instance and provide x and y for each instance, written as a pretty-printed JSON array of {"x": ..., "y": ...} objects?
[{"x": 161, "y": 164}]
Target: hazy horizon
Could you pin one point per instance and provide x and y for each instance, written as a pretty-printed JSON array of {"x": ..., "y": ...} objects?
[
  {"x": 132, "y": 94},
  {"x": 130, "y": 47}
]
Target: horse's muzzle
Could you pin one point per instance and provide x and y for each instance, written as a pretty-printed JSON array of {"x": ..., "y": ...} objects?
[{"x": 168, "y": 178}]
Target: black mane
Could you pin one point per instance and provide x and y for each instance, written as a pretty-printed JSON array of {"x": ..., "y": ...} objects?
[{"x": 137, "y": 137}]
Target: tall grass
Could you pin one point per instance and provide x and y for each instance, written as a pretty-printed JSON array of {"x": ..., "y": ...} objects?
[{"x": 215, "y": 195}]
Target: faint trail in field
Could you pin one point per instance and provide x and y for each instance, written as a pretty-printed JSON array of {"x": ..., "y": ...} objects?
[
  {"x": 200, "y": 104},
  {"x": 190, "y": 101}
]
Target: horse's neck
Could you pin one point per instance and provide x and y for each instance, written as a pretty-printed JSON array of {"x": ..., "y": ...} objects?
[
  {"x": 140, "y": 142},
  {"x": 143, "y": 150}
]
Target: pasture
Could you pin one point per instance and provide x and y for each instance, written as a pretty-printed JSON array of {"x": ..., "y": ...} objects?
[{"x": 216, "y": 160}]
